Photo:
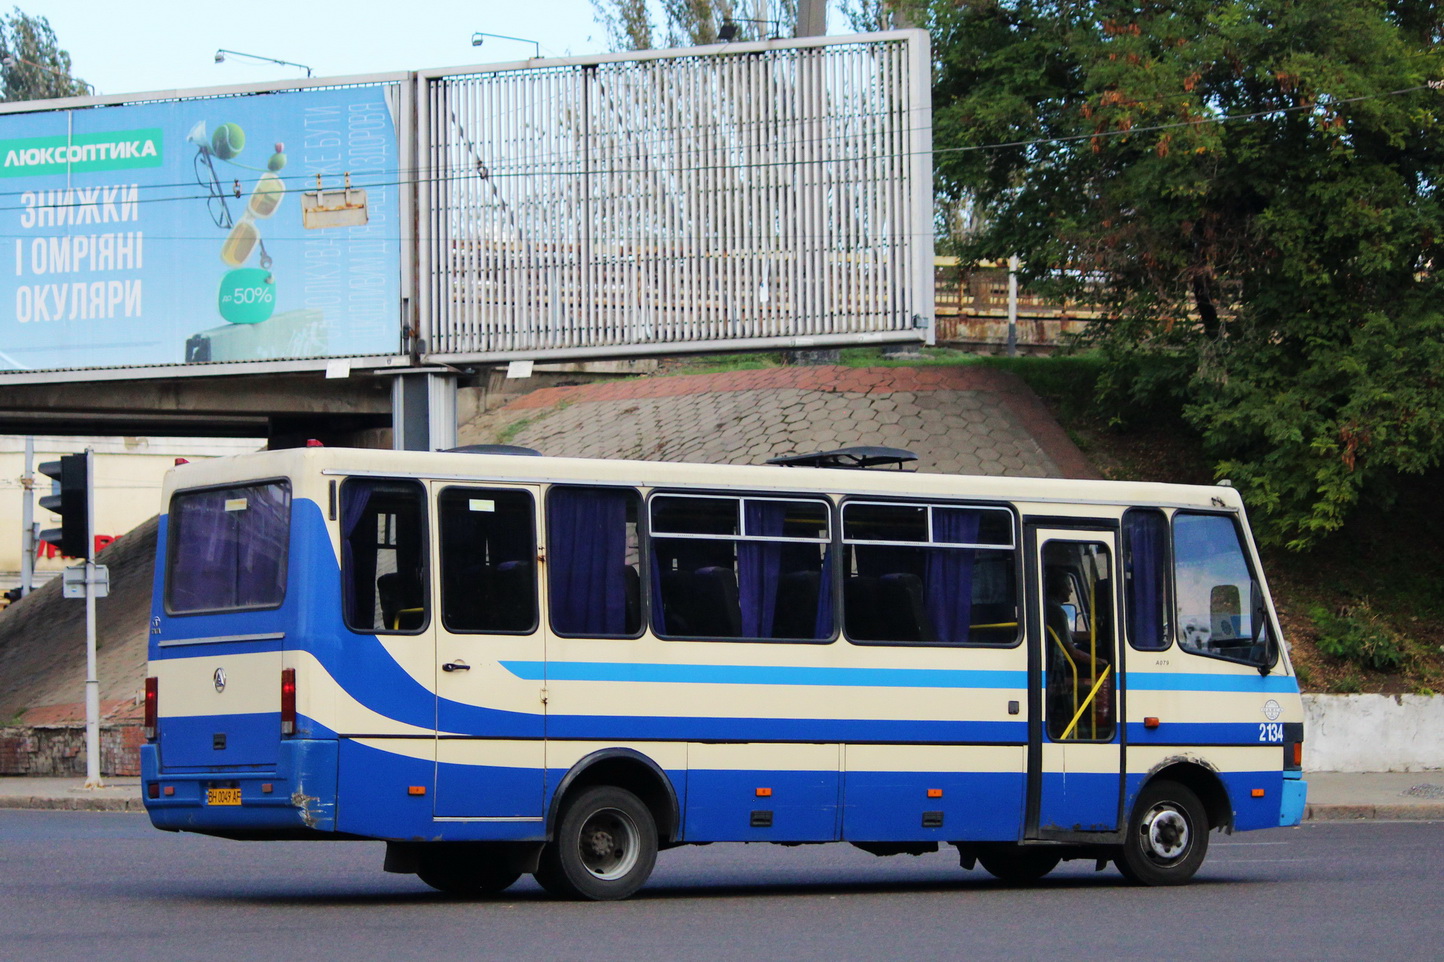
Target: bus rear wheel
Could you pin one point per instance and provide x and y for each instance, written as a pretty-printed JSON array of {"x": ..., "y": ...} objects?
[
  {"x": 1017, "y": 864},
  {"x": 1167, "y": 836},
  {"x": 604, "y": 849},
  {"x": 465, "y": 875}
]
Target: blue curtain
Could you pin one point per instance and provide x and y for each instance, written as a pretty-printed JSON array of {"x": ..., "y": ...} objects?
[
  {"x": 948, "y": 578},
  {"x": 759, "y": 566},
  {"x": 355, "y": 496},
  {"x": 587, "y": 538},
  {"x": 1144, "y": 541}
]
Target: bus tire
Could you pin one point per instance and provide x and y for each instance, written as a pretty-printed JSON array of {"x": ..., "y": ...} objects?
[
  {"x": 1167, "y": 836},
  {"x": 466, "y": 877},
  {"x": 604, "y": 848},
  {"x": 1017, "y": 864}
]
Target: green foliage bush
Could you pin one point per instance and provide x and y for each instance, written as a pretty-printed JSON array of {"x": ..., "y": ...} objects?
[{"x": 1356, "y": 635}]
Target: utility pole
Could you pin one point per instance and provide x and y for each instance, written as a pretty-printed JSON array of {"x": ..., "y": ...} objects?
[
  {"x": 27, "y": 520},
  {"x": 74, "y": 501}
]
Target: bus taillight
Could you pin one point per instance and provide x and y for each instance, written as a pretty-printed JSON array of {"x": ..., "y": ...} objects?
[
  {"x": 288, "y": 701},
  {"x": 152, "y": 706}
]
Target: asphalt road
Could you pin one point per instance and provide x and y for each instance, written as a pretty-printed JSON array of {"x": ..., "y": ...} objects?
[{"x": 83, "y": 885}]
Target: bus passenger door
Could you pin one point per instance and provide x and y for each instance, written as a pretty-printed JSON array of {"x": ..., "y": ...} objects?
[
  {"x": 490, "y": 722},
  {"x": 1074, "y": 751}
]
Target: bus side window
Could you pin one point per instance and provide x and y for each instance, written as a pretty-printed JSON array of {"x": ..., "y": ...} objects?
[
  {"x": 594, "y": 587},
  {"x": 741, "y": 567},
  {"x": 383, "y": 556},
  {"x": 1145, "y": 578},
  {"x": 929, "y": 573},
  {"x": 488, "y": 560}
]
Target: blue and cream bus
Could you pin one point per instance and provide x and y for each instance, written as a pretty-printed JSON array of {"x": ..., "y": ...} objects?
[{"x": 503, "y": 664}]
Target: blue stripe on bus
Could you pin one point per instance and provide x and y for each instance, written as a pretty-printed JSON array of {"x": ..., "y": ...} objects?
[
  {"x": 828, "y": 730},
  {"x": 1201, "y": 681},
  {"x": 765, "y": 675},
  {"x": 1202, "y": 733}
]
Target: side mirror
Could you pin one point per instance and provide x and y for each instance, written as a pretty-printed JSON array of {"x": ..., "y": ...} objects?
[{"x": 1265, "y": 643}]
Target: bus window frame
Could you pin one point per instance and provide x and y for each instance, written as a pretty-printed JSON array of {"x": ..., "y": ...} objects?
[
  {"x": 643, "y": 561},
  {"x": 427, "y": 575},
  {"x": 1170, "y": 605},
  {"x": 1273, "y": 645},
  {"x": 173, "y": 532},
  {"x": 440, "y": 492},
  {"x": 1019, "y": 584},
  {"x": 831, "y": 543}
]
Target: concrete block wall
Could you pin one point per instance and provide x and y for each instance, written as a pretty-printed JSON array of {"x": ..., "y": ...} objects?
[
  {"x": 1342, "y": 733},
  {"x": 60, "y": 750},
  {"x": 1373, "y": 733}
]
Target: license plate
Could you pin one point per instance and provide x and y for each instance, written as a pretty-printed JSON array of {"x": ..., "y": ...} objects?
[{"x": 223, "y": 796}]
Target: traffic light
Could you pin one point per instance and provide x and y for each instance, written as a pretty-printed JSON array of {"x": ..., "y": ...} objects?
[{"x": 70, "y": 500}]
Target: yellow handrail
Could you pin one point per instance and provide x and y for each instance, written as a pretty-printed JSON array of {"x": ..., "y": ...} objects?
[{"x": 1103, "y": 676}]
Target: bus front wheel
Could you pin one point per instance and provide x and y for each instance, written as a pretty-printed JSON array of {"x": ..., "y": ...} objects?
[
  {"x": 1167, "y": 836},
  {"x": 604, "y": 848}
]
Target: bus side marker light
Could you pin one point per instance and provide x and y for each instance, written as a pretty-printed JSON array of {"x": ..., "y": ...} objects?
[
  {"x": 1150, "y": 722},
  {"x": 416, "y": 790},
  {"x": 1257, "y": 793},
  {"x": 764, "y": 793},
  {"x": 169, "y": 790},
  {"x": 935, "y": 793},
  {"x": 152, "y": 707},
  {"x": 267, "y": 788},
  {"x": 288, "y": 701},
  {"x": 1298, "y": 754}
]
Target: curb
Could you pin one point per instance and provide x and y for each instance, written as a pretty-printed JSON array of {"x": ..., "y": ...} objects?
[
  {"x": 71, "y": 803},
  {"x": 1378, "y": 813}
]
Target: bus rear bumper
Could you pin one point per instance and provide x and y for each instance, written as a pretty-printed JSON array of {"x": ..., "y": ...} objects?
[
  {"x": 1295, "y": 795},
  {"x": 295, "y": 799}
]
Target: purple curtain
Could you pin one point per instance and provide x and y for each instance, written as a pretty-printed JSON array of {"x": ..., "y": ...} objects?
[
  {"x": 759, "y": 566},
  {"x": 948, "y": 578},
  {"x": 1144, "y": 543},
  {"x": 587, "y": 534},
  {"x": 230, "y": 559}
]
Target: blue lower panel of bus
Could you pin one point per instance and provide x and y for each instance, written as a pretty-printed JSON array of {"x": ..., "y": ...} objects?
[
  {"x": 219, "y": 740},
  {"x": 898, "y": 806},
  {"x": 1079, "y": 802},
  {"x": 389, "y": 795},
  {"x": 1257, "y": 799},
  {"x": 297, "y": 795},
  {"x": 725, "y": 806}
]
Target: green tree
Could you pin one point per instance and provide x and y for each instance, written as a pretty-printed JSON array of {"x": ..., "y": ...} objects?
[
  {"x": 632, "y": 24},
  {"x": 35, "y": 67},
  {"x": 1256, "y": 183}
]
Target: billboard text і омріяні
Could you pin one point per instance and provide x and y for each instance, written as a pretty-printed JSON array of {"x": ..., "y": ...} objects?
[{"x": 171, "y": 232}]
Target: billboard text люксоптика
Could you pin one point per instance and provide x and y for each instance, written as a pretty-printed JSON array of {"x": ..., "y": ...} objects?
[{"x": 171, "y": 232}]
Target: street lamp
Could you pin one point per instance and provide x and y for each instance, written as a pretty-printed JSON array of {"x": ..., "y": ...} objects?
[
  {"x": 476, "y": 39},
  {"x": 221, "y": 58},
  {"x": 11, "y": 60}
]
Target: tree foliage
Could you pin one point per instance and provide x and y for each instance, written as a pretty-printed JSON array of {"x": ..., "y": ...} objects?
[
  {"x": 643, "y": 24},
  {"x": 1256, "y": 184},
  {"x": 36, "y": 68}
]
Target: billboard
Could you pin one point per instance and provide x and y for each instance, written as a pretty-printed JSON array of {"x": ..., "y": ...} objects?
[{"x": 199, "y": 230}]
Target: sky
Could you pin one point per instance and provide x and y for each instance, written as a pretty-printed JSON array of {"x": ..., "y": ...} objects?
[{"x": 149, "y": 45}]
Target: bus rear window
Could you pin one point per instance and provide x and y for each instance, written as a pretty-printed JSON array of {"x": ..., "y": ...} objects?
[{"x": 227, "y": 548}]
